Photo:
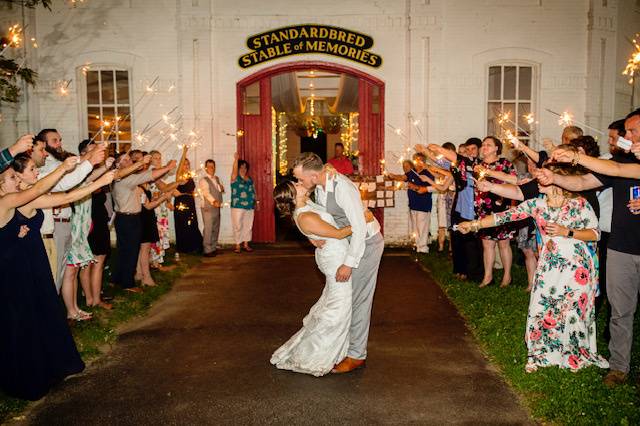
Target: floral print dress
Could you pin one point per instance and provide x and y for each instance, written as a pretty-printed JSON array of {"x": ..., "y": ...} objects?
[
  {"x": 561, "y": 326},
  {"x": 162, "y": 214},
  {"x": 80, "y": 254},
  {"x": 487, "y": 203}
]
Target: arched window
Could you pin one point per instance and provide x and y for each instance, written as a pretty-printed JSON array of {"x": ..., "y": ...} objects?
[{"x": 108, "y": 107}]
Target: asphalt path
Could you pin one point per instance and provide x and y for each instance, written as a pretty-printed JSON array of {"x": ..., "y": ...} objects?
[{"x": 201, "y": 356}]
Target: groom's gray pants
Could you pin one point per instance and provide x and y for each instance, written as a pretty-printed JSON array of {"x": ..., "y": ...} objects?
[{"x": 363, "y": 284}]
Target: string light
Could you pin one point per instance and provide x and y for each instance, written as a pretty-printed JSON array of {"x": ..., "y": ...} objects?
[{"x": 282, "y": 144}]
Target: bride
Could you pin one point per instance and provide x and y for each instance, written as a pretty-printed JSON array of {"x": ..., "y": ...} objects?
[{"x": 323, "y": 339}]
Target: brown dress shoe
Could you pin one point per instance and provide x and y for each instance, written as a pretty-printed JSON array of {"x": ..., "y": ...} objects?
[
  {"x": 347, "y": 365},
  {"x": 614, "y": 378}
]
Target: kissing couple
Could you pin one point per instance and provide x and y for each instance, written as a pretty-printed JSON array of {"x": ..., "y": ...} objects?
[{"x": 349, "y": 245}]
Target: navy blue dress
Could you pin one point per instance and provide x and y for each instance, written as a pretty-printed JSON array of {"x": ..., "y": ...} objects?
[
  {"x": 188, "y": 236},
  {"x": 37, "y": 350}
]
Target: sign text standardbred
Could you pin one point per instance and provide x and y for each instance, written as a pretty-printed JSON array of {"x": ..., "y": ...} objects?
[{"x": 309, "y": 38}]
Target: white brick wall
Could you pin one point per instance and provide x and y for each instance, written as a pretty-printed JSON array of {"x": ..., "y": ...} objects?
[{"x": 434, "y": 69}]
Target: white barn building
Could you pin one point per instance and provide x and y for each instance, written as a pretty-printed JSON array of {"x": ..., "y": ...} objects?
[{"x": 447, "y": 68}]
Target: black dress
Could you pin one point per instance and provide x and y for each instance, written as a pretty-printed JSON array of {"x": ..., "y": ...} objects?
[
  {"x": 188, "y": 237},
  {"x": 149, "y": 222},
  {"x": 38, "y": 350},
  {"x": 99, "y": 237}
]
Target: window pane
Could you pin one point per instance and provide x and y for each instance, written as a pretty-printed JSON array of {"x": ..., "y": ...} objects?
[
  {"x": 107, "y": 87},
  {"x": 510, "y": 109},
  {"x": 124, "y": 124},
  {"x": 124, "y": 147},
  {"x": 509, "y": 83},
  {"x": 109, "y": 117},
  {"x": 524, "y": 84},
  {"x": 252, "y": 99},
  {"x": 495, "y": 76},
  {"x": 122, "y": 84},
  {"x": 523, "y": 110},
  {"x": 93, "y": 97},
  {"x": 492, "y": 124},
  {"x": 93, "y": 121}
]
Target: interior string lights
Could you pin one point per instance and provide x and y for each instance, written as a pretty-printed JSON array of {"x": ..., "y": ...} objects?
[
  {"x": 274, "y": 142},
  {"x": 282, "y": 144}
]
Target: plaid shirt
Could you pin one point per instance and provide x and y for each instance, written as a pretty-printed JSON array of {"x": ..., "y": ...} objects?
[{"x": 5, "y": 158}]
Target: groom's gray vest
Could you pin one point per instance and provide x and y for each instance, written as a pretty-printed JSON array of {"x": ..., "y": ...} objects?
[{"x": 334, "y": 209}]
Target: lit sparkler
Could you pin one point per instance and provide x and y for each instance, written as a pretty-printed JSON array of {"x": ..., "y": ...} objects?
[
  {"x": 13, "y": 37},
  {"x": 633, "y": 63},
  {"x": 566, "y": 119}
]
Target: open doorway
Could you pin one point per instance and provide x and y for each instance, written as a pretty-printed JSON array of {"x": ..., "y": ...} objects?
[{"x": 306, "y": 106}]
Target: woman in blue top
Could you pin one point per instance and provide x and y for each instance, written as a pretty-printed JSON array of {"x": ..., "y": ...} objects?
[{"x": 243, "y": 203}]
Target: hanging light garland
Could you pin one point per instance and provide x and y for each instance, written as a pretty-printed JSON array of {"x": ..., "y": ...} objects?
[{"x": 282, "y": 143}]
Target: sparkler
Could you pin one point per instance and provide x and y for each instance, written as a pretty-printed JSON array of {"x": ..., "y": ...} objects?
[
  {"x": 13, "y": 37},
  {"x": 566, "y": 119},
  {"x": 63, "y": 88},
  {"x": 633, "y": 63}
]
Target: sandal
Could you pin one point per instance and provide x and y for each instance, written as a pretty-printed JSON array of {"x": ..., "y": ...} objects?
[
  {"x": 247, "y": 249},
  {"x": 79, "y": 317}
]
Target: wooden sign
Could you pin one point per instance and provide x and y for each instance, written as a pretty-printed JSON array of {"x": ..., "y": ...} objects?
[{"x": 310, "y": 38}]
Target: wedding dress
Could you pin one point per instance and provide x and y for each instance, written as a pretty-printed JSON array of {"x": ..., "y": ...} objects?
[{"x": 323, "y": 339}]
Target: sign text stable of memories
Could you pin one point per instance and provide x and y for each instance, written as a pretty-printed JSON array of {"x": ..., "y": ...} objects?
[{"x": 310, "y": 38}]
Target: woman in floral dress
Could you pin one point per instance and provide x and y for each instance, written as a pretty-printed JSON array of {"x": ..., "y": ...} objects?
[
  {"x": 486, "y": 204},
  {"x": 162, "y": 214},
  {"x": 561, "y": 327}
]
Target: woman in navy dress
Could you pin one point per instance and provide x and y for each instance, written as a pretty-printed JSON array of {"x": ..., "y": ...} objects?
[{"x": 38, "y": 350}]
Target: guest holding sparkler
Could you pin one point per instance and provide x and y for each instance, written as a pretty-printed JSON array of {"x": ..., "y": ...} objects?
[
  {"x": 188, "y": 237},
  {"x": 486, "y": 204},
  {"x": 420, "y": 200},
  {"x": 243, "y": 203},
  {"x": 561, "y": 326},
  {"x": 128, "y": 222},
  {"x": 162, "y": 214},
  {"x": 465, "y": 248}
]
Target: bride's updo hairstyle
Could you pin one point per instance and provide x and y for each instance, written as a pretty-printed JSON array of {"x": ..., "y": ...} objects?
[{"x": 284, "y": 195}]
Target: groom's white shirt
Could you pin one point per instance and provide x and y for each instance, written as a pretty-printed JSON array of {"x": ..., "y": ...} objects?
[{"x": 348, "y": 198}]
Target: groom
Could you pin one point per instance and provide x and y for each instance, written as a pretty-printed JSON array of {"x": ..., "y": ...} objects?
[{"x": 341, "y": 198}]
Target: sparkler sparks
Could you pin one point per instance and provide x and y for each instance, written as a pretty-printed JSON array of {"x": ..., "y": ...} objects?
[
  {"x": 633, "y": 63},
  {"x": 13, "y": 38},
  {"x": 565, "y": 119}
]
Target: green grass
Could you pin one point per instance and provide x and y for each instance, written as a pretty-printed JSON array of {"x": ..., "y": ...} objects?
[
  {"x": 497, "y": 318},
  {"x": 95, "y": 337}
]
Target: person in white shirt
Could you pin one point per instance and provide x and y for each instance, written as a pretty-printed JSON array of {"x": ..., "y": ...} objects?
[
  {"x": 211, "y": 191},
  {"x": 56, "y": 227}
]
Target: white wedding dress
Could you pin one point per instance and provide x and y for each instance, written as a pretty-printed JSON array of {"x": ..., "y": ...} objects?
[{"x": 323, "y": 339}]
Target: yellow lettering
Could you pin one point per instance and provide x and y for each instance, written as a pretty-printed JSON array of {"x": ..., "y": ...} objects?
[
  {"x": 341, "y": 36},
  {"x": 360, "y": 41},
  {"x": 313, "y": 31},
  {"x": 255, "y": 43},
  {"x": 352, "y": 52},
  {"x": 351, "y": 38},
  {"x": 304, "y": 33},
  {"x": 323, "y": 32},
  {"x": 312, "y": 46},
  {"x": 246, "y": 61},
  {"x": 332, "y": 34},
  {"x": 332, "y": 47}
]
